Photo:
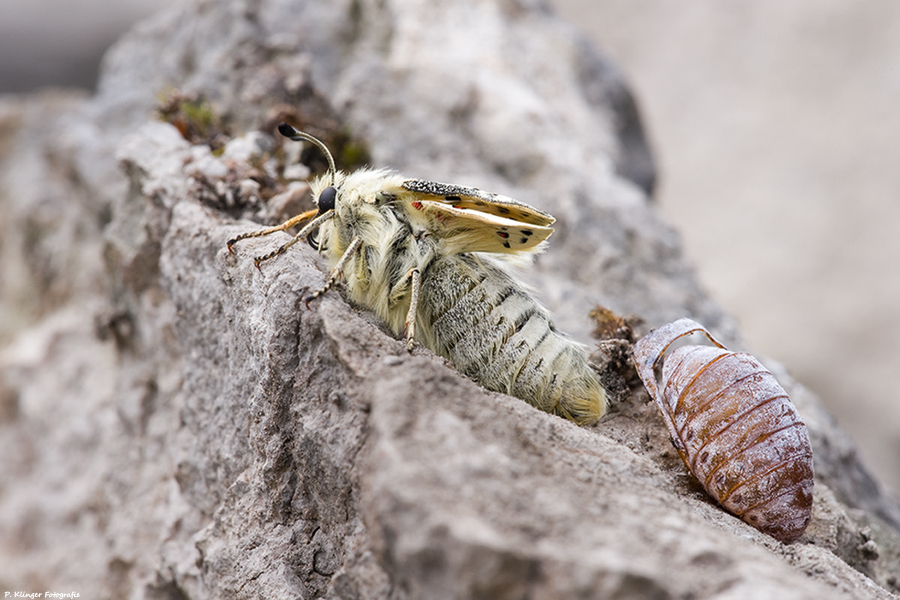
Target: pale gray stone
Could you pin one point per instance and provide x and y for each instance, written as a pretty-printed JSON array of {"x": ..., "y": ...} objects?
[{"x": 176, "y": 423}]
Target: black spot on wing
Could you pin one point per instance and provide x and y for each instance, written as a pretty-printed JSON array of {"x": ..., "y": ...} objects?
[{"x": 520, "y": 239}]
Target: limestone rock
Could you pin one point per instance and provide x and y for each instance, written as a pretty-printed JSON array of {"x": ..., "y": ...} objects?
[{"x": 176, "y": 423}]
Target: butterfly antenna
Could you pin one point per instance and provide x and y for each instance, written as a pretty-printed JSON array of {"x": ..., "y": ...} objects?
[{"x": 299, "y": 136}]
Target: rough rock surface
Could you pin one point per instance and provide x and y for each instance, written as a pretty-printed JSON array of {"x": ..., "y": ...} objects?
[{"x": 175, "y": 424}]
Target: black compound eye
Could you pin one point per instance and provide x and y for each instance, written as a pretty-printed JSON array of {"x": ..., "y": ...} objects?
[{"x": 326, "y": 199}]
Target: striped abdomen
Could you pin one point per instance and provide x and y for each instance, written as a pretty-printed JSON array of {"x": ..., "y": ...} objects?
[
  {"x": 735, "y": 428},
  {"x": 482, "y": 320}
]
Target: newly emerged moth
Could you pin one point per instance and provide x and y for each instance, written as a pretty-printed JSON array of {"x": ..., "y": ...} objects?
[{"x": 426, "y": 258}]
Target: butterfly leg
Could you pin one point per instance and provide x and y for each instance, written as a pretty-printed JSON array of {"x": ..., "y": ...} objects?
[
  {"x": 286, "y": 225},
  {"x": 416, "y": 280},
  {"x": 300, "y": 235},
  {"x": 338, "y": 268}
]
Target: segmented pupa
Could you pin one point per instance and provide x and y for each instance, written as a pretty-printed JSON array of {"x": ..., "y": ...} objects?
[
  {"x": 418, "y": 254},
  {"x": 734, "y": 427}
]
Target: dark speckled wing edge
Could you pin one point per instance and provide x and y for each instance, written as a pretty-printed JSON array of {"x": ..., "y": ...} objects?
[{"x": 470, "y": 198}]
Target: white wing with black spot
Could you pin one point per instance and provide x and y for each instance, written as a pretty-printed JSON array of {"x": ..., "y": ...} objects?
[{"x": 464, "y": 230}]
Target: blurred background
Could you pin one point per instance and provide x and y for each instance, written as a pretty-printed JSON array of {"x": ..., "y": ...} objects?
[
  {"x": 776, "y": 129},
  {"x": 60, "y": 42}
]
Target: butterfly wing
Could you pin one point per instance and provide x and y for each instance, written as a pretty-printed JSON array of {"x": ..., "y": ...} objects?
[
  {"x": 472, "y": 220},
  {"x": 478, "y": 200}
]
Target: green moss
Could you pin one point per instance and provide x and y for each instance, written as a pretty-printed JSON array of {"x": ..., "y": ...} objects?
[
  {"x": 354, "y": 154},
  {"x": 193, "y": 116}
]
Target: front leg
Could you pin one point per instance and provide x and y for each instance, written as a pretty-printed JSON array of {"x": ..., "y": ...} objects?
[
  {"x": 284, "y": 226},
  {"x": 300, "y": 236},
  {"x": 338, "y": 270}
]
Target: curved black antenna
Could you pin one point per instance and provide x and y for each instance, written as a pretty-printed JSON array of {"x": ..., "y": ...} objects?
[{"x": 299, "y": 136}]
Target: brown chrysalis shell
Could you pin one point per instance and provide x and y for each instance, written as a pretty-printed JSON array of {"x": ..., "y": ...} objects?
[{"x": 734, "y": 427}]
